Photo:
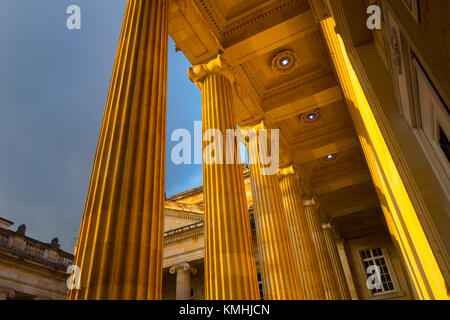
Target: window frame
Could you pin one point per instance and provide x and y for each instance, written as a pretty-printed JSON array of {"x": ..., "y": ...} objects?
[
  {"x": 397, "y": 292},
  {"x": 430, "y": 144},
  {"x": 390, "y": 273}
]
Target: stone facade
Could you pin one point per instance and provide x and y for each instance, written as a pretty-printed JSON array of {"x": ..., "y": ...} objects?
[{"x": 31, "y": 269}]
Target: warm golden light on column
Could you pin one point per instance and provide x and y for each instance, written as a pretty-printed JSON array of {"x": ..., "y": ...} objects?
[
  {"x": 336, "y": 260},
  {"x": 183, "y": 287},
  {"x": 301, "y": 239},
  {"x": 230, "y": 270},
  {"x": 119, "y": 249},
  {"x": 331, "y": 287},
  {"x": 401, "y": 205},
  {"x": 278, "y": 271}
]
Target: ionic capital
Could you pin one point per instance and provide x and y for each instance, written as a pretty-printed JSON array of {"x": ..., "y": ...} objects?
[
  {"x": 309, "y": 203},
  {"x": 251, "y": 131},
  {"x": 7, "y": 293},
  {"x": 262, "y": 125},
  {"x": 182, "y": 267},
  {"x": 217, "y": 65},
  {"x": 326, "y": 226},
  {"x": 282, "y": 172}
]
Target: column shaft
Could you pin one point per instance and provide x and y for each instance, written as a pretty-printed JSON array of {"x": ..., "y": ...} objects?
[
  {"x": 345, "y": 266},
  {"x": 336, "y": 262},
  {"x": 230, "y": 270},
  {"x": 183, "y": 285},
  {"x": 278, "y": 271},
  {"x": 119, "y": 248},
  {"x": 301, "y": 239},
  {"x": 331, "y": 287}
]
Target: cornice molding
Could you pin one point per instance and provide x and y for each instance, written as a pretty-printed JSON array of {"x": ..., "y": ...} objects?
[
  {"x": 297, "y": 86},
  {"x": 229, "y": 31},
  {"x": 315, "y": 137},
  {"x": 276, "y": 7},
  {"x": 183, "y": 235},
  {"x": 183, "y": 214}
]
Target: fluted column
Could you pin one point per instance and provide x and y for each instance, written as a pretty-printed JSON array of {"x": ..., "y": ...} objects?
[
  {"x": 278, "y": 271},
  {"x": 119, "y": 249},
  {"x": 346, "y": 268},
  {"x": 183, "y": 287},
  {"x": 336, "y": 261},
  {"x": 331, "y": 287},
  {"x": 230, "y": 270},
  {"x": 301, "y": 239}
]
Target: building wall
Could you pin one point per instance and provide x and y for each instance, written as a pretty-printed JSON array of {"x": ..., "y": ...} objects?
[
  {"x": 415, "y": 205},
  {"x": 32, "y": 280},
  {"x": 31, "y": 269},
  {"x": 435, "y": 23}
]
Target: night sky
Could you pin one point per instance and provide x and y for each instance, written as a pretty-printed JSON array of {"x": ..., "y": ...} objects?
[{"x": 53, "y": 88}]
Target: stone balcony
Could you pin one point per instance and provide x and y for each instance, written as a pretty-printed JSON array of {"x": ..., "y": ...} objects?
[
  {"x": 29, "y": 268},
  {"x": 13, "y": 243}
]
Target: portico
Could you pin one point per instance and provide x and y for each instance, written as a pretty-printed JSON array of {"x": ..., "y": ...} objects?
[{"x": 298, "y": 66}]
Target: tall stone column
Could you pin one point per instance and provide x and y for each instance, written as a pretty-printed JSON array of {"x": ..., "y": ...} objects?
[
  {"x": 332, "y": 291},
  {"x": 119, "y": 249},
  {"x": 336, "y": 261},
  {"x": 301, "y": 239},
  {"x": 278, "y": 271},
  {"x": 345, "y": 266},
  {"x": 183, "y": 272},
  {"x": 230, "y": 270}
]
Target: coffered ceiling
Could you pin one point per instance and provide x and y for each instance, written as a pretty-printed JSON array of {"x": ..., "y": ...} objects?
[{"x": 284, "y": 74}]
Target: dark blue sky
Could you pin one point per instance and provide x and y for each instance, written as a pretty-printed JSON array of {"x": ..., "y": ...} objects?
[{"x": 53, "y": 87}]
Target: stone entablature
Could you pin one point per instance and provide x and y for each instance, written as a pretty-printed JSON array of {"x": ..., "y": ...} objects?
[
  {"x": 31, "y": 250},
  {"x": 185, "y": 232},
  {"x": 178, "y": 206},
  {"x": 31, "y": 269}
]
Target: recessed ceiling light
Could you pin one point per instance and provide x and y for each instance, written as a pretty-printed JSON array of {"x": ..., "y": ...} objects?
[
  {"x": 285, "y": 61},
  {"x": 330, "y": 156},
  {"x": 310, "y": 116}
]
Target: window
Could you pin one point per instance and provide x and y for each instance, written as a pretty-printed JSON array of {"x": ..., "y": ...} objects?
[
  {"x": 376, "y": 257},
  {"x": 433, "y": 128},
  {"x": 444, "y": 143},
  {"x": 260, "y": 286},
  {"x": 419, "y": 101}
]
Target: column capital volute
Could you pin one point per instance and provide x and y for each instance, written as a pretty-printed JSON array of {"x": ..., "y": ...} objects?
[
  {"x": 258, "y": 126},
  {"x": 251, "y": 131},
  {"x": 9, "y": 292},
  {"x": 286, "y": 171},
  {"x": 326, "y": 226},
  {"x": 310, "y": 202},
  {"x": 196, "y": 73},
  {"x": 185, "y": 266}
]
